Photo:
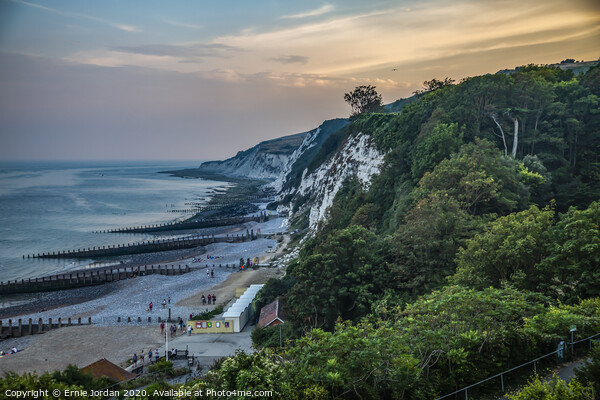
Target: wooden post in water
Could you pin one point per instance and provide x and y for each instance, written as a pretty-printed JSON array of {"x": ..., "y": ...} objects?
[
  {"x": 30, "y": 326},
  {"x": 20, "y": 327},
  {"x": 49, "y": 324},
  {"x": 60, "y": 322},
  {"x": 40, "y": 326}
]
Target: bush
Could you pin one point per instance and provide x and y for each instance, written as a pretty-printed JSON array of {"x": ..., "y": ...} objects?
[
  {"x": 589, "y": 372},
  {"x": 554, "y": 389},
  {"x": 206, "y": 315}
]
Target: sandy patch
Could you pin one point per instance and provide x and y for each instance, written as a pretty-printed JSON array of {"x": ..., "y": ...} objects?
[{"x": 82, "y": 345}]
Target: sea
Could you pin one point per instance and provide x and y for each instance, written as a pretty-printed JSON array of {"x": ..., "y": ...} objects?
[{"x": 56, "y": 206}]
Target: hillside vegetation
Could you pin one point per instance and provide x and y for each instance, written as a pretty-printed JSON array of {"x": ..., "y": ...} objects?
[{"x": 475, "y": 249}]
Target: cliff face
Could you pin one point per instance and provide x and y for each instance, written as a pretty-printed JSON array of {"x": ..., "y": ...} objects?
[
  {"x": 308, "y": 169},
  {"x": 265, "y": 161},
  {"x": 357, "y": 156}
]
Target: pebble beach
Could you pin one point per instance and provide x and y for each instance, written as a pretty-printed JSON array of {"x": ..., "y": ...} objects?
[{"x": 129, "y": 299}]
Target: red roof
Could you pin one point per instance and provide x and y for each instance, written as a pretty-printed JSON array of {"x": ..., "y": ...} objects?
[
  {"x": 269, "y": 314},
  {"x": 104, "y": 368}
]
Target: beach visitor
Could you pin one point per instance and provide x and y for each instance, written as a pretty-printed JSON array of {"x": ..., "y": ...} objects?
[
  {"x": 212, "y": 273},
  {"x": 209, "y": 299},
  {"x": 169, "y": 299},
  {"x": 190, "y": 329},
  {"x": 164, "y": 303},
  {"x": 214, "y": 299},
  {"x": 134, "y": 360},
  {"x": 191, "y": 317},
  {"x": 150, "y": 356},
  {"x": 203, "y": 300},
  {"x": 162, "y": 327},
  {"x": 156, "y": 355},
  {"x": 150, "y": 306},
  {"x": 142, "y": 356},
  {"x": 207, "y": 272}
]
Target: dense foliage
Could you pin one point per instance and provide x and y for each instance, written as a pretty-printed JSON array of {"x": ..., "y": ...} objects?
[{"x": 473, "y": 250}]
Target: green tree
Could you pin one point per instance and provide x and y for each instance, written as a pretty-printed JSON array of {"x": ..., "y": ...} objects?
[
  {"x": 29, "y": 381},
  {"x": 589, "y": 372},
  {"x": 434, "y": 84},
  {"x": 462, "y": 335},
  {"x": 339, "y": 279},
  {"x": 507, "y": 252},
  {"x": 437, "y": 145},
  {"x": 479, "y": 178},
  {"x": 554, "y": 389},
  {"x": 355, "y": 362},
  {"x": 364, "y": 99}
]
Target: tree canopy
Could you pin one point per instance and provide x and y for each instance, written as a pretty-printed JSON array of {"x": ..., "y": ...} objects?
[{"x": 364, "y": 99}]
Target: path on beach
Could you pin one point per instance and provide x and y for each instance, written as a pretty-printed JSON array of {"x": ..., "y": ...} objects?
[
  {"x": 225, "y": 291},
  {"x": 82, "y": 345}
]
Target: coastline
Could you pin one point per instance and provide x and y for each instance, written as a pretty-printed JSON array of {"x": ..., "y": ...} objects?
[{"x": 111, "y": 305}]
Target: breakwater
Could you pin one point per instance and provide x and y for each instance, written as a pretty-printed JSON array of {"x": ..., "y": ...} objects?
[
  {"x": 151, "y": 246},
  {"x": 91, "y": 277},
  {"x": 194, "y": 224},
  {"x": 22, "y": 328}
]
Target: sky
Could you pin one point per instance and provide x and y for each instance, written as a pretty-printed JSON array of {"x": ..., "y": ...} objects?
[{"x": 201, "y": 80}]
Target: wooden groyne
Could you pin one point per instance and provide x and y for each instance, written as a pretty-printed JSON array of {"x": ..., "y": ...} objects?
[
  {"x": 184, "y": 225},
  {"x": 22, "y": 328},
  {"x": 151, "y": 246},
  {"x": 88, "y": 277}
]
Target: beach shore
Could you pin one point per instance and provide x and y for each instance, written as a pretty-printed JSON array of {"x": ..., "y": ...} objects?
[
  {"x": 117, "y": 341},
  {"x": 83, "y": 345}
]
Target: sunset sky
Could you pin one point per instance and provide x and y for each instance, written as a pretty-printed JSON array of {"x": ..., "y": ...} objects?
[{"x": 199, "y": 80}]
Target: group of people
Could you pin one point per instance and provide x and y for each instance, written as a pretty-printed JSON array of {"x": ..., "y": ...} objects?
[
  {"x": 164, "y": 303},
  {"x": 173, "y": 327},
  {"x": 10, "y": 351},
  {"x": 212, "y": 298},
  {"x": 141, "y": 358}
]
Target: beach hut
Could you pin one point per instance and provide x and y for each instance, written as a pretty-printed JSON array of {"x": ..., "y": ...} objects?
[{"x": 240, "y": 312}]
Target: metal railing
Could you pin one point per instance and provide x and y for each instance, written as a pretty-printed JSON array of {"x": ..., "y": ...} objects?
[{"x": 534, "y": 362}]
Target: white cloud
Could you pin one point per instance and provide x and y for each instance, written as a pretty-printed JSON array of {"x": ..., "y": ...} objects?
[
  {"x": 122, "y": 27},
  {"x": 324, "y": 9}
]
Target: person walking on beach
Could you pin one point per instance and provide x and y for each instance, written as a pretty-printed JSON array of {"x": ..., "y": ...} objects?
[
  {"x": 156, "y": 355},
  {"x": 142, "y": 356},
  {"x": 150, "y": 356},
  {"x": 212, "y": 273},
  {"x": 207, "y": 272},
  {"x": 169, "y": 299},
  {"x": 134, "y": 360},
  {"x": 214, "y": 299},
  {"x": 150, "y": 306},
  {"x": 164, "y": 303},
  {"x": 162, "y": 328},
  {"x": 209, "y": 299},
  {"x": 203, "y": 300}
]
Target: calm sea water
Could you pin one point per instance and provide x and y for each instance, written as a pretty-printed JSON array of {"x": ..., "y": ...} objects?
[{"x": 53, "y": 206}]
